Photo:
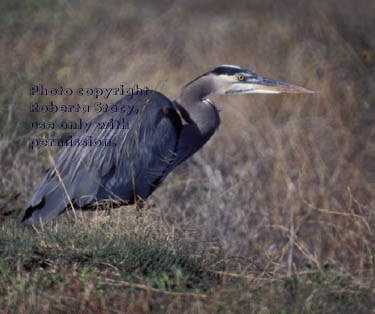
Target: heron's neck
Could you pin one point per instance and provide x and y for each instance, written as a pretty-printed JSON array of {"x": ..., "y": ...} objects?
[{"x": 195, "y": 110}]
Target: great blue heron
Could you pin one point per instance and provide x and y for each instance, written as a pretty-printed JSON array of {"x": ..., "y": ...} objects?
[{"x": 160, "y": 136}]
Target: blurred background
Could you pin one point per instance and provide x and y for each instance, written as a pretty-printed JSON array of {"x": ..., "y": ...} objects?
[{"x": 288, "y": 181}]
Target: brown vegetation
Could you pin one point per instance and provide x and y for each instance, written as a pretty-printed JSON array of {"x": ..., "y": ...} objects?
[{"x": 285, "y": 187}]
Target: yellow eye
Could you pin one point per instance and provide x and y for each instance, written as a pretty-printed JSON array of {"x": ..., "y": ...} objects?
[{"x": 241, "y": 77}]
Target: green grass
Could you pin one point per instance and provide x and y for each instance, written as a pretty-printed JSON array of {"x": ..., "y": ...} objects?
[
  {"x": 98, "y": 253},
  {"x": 103, "y": 263}
]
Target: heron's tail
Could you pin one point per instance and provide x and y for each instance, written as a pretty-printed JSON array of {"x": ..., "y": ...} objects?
[{"x": 44, "y": 209}]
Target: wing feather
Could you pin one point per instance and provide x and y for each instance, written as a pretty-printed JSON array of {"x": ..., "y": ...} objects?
[{"x": 146, "y": 150}]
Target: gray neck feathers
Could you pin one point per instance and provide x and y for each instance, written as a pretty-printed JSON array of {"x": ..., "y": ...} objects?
[{"x": 196, "y": 111}]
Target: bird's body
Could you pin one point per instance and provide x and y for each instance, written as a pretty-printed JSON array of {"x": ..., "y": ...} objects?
[{"x": 160, "y": 135}]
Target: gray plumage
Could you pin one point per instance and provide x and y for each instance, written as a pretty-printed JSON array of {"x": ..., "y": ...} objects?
[{"x": 160, "y": 135}]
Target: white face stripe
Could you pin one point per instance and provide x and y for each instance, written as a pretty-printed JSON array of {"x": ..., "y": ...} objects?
[
  {"x": 230, "y": 66},
  {"x": 228, "y": 78}
]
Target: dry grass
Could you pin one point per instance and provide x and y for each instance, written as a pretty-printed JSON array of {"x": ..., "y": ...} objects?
[{"x": 276, "y": 211}]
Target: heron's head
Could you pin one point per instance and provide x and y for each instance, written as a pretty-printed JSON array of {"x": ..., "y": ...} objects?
[{"x": 231, "y": 79}]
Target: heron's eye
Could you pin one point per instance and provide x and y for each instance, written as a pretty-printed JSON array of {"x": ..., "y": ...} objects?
[{"x": 241, "y": 77}]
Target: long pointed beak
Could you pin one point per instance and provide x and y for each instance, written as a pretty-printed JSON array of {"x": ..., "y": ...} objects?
[
  {"x": 265, "y": 85},
  {"x": 261, "y": 85}
]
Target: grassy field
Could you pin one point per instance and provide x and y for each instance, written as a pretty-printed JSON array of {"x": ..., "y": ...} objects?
[{"x": 274, "y": 215}]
